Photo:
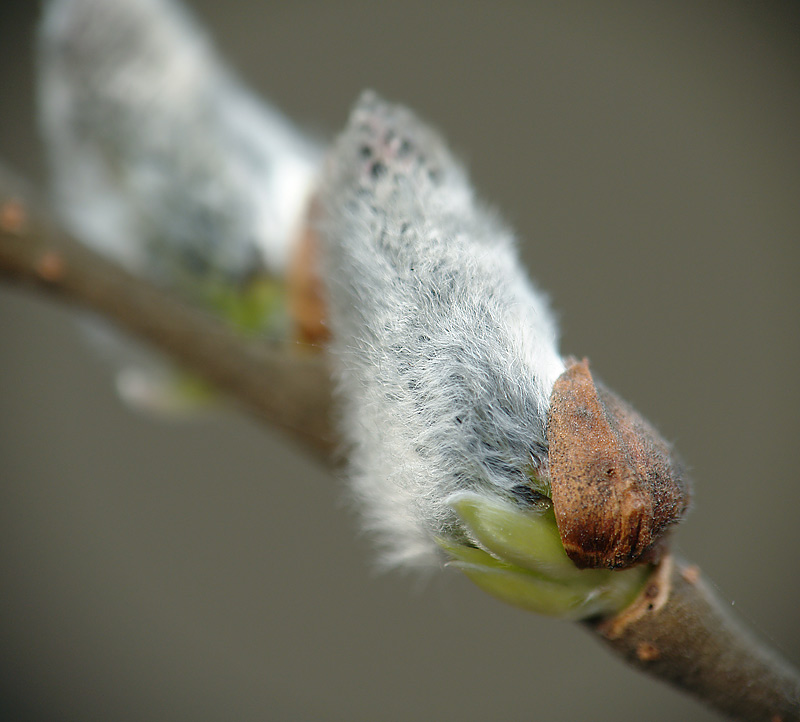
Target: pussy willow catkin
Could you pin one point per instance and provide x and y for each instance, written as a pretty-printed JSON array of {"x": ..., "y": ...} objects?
[{"x": 445, "y": 352}]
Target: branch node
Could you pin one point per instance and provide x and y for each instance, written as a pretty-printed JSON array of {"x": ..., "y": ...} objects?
[
  {"x": 647, "y": 652},
  {"x": 691, "y": 574},
  {"x": 51, "y": 267},
  {"x": 13, "y": 216},
  {"x": 651, "y": 599}
]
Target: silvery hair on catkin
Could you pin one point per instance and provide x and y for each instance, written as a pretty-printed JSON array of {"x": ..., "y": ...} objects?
[
  {"x": 445, "y": 353},
  {"x": 160, "y": 157},
  {"x": 162, "y": 160}
]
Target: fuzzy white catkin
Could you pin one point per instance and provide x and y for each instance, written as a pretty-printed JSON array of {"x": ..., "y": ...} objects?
[
  {"x": 160, "y": 157},
  {"x": 445, "y": 353}
]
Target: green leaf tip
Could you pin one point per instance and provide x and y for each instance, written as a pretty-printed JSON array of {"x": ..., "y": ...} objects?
[
  {"x": 253, "y": 309},
  {"x": 518, "y": 557}
]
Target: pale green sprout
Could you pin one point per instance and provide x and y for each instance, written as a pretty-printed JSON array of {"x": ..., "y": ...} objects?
[
  {"x": 256, "y": 309},
  {"x": 517, "y": 555}
]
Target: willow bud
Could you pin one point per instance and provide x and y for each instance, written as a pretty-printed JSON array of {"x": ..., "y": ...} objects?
[{"x": 616, "y": 488}]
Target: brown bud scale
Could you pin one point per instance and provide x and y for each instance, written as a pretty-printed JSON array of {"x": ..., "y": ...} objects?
[{"x": 615, "y": 487}]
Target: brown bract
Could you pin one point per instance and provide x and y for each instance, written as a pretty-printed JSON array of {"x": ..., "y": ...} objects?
[
  {"x": 306, "y": 300},
  {"x": 615, "y": 488}
]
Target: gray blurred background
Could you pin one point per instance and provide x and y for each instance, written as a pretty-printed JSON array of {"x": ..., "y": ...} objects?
[{"x": 648, "y": 155}]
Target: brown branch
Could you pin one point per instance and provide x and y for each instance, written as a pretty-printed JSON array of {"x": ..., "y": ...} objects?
[
  {"x": 676, "y": 631},
  {"x": 281, "y": 384},
  {"x": 680, "y": 632}
]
